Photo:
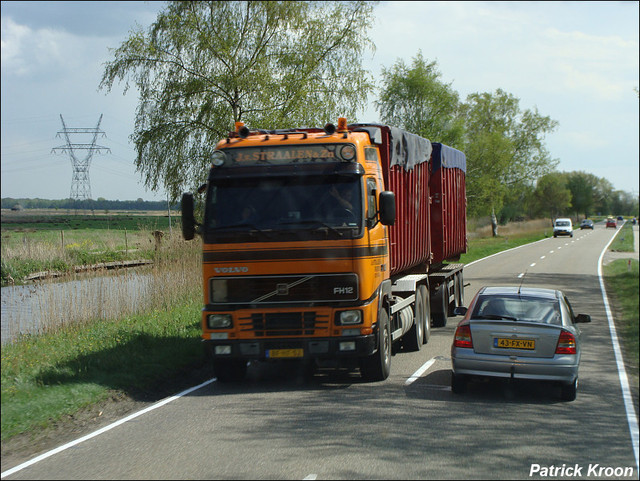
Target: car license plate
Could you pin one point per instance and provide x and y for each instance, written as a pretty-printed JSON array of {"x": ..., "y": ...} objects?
[
  {"x": 271, "y": 353},
  {"x": 529, "y": 344}
]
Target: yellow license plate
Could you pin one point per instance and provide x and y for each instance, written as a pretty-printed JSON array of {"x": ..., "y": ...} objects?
[
  {"x": 285, "y": 353},
  {"x": 529, "y": 344}
]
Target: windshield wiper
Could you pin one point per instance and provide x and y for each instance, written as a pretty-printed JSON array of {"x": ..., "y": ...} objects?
[
  {"x": 317, "y": 222},
  {"x": 251, "y": 226}
]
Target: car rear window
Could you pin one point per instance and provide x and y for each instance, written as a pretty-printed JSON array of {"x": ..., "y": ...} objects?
[{"x": 529, "y": 309}]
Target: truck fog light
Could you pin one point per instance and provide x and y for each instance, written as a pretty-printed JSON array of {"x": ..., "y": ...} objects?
[
  {"x": 349, "y": 318},
  {"x": 351, "y": 332},
  {"x": 219, "y": 321},
  {"x": 223, "y": 350},
  {"x": 348, "y": 346}
]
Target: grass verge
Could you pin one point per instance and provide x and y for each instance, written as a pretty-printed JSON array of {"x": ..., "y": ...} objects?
[
  {"x": 46, "y": 377},
  {"x": 621, "y": 282}
]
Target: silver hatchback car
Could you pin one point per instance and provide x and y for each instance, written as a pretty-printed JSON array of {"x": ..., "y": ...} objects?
[{"x": 518, "y": 333}]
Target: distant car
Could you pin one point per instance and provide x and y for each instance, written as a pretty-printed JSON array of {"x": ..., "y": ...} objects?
[
  {"x": 611, "y": 222},
  {"x": 586, "y": 224},
  {"x": 562, "y": 227},
  {"x": 620, "y": 217},
  {"x": 518, "y": 333}
]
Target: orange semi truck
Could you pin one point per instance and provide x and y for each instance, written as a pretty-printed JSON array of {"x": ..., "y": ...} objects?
[{"x": 329, "y": 245}]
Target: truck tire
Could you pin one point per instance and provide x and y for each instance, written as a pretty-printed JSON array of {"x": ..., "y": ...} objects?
[
  {"x": 458, "y": 290},
  {"x": 441, "y": 303},
  {"x": 378, "y": 366},
  {"x": 413, "y": 339},
  {"x": 230, "y": 370},
  {"x": 424, "y": 293}
]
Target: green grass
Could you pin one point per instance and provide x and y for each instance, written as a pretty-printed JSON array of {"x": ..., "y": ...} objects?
[
  {"x": 483, "y": 247},
  {"x": 624, "y": 240},
  {"x": 621, "y": 282},
  {"x": 45, "y": 377}
]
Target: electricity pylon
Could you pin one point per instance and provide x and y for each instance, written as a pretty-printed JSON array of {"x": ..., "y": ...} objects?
[{"x": 80, "y": 185}]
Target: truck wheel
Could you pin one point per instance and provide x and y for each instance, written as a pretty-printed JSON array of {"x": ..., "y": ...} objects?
[
  {"x": 414, "y": 338},
  {"x": 230, "y": 370},
  {"x": 441, "y": 312},
  {"x": 459, "y": 290},
  {"x": 426, "y": 301},
  {"x": 378, "y": 366}
]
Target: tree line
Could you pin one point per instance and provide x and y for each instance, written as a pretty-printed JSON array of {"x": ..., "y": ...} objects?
[
  {"x": 101, "y": 204},
  {"x": 204, "y": 65}
]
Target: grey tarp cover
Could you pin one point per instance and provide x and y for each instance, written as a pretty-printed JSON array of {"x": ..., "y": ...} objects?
[
  {"x": 448, "y": 157},
  {"x": 406, "y": 149}
]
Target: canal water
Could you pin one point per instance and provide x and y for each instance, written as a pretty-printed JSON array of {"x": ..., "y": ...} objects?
[{"x": 32, "y": 308}]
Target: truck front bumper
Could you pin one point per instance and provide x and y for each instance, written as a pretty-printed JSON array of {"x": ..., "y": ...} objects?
[{"x": 319, "y": 348}]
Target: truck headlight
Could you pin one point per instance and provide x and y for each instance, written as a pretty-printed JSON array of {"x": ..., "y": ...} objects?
[
  {"x": 349, "y": 318},
  {"x": 219, "y": 321}
]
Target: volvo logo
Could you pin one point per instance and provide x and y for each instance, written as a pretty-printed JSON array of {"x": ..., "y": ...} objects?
[{"x": 229, "y": 270}]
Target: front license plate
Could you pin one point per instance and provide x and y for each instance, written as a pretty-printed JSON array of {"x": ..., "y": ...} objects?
[
  {"x": 271, "y": 353},
  {"x": 528, "y": 344}
]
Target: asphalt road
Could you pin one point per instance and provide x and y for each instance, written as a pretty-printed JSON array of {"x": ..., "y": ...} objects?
[{"x": 279, "y": 424}]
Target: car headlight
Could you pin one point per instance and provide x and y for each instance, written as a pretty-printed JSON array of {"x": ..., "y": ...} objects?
[
  {"x": 349, "y": 318},
  {"x": 219, "y": 321}
]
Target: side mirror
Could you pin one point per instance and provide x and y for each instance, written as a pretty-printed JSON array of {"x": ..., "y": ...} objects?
[
  {"x": 188, "y": 219},
  {"x": 459, "y": 311},
  {"x": 387, "y": 208},
  {"x": 583, "y": 318}
]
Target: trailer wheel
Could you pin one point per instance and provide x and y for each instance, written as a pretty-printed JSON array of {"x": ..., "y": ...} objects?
[
  {"x": 458, "y": 289},
  {"x": 426, "y": 301},
  {"x": 415, "y": 337},
  {"x": 441, "y": 304},
  {"x": 230, "y": 370},
  {"x": 378, "y": 366}
]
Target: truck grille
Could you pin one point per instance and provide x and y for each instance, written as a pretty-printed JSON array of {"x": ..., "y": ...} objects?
[
  {"x": 284, "y": 323},
  {"x": 303, "y": 288}
]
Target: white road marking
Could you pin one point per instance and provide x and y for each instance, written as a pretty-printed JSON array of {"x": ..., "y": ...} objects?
[
  {"x": 521, "y": 275},
  {"x": 622, "y": 373},
  {"x": 416, "y": 375},
  {"x": 532, "y": 265},
  {"x": 543, "y": 257},
  {"x": 103, "y": 430},
  {"x": 311, "y": 477}
]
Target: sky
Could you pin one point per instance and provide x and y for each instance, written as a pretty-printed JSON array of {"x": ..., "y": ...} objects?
[{"x": 576, "y": 62}]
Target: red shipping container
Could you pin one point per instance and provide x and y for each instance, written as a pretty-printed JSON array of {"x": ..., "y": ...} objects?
[{"x": 448, "y": 203}]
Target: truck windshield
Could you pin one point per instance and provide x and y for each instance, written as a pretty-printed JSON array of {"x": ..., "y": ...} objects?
[{"x": 305, "y": 205}]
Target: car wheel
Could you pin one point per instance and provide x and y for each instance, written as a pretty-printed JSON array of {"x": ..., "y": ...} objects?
[
  {"x": 458, "y": 383},
  {"x": 568, "y": 392},
  {"x": 378, "y": 366}
]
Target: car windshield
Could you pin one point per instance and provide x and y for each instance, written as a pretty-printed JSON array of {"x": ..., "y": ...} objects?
[
  {"x": 517, "y": 308},
  {"x": 562, "y": 223},
  {"x": 311, "y": 203}
]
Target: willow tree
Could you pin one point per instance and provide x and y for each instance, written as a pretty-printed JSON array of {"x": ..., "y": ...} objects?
[
  {"x": 416, "y": 99},
  {"x": 204, "y": 65}
]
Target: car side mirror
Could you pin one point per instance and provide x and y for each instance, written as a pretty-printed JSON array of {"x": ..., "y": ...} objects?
[
  {"x": 583, "y": 318},
  {"x": 459, "y": 311}
]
